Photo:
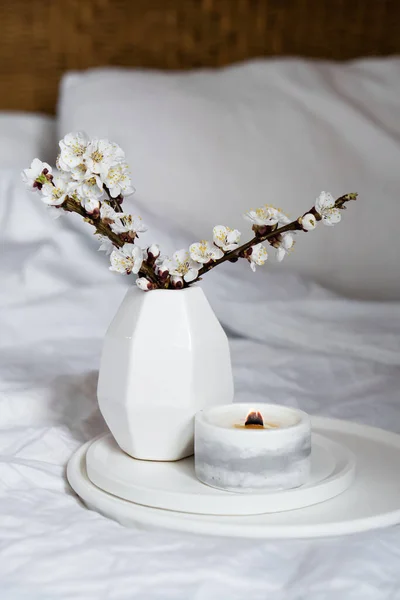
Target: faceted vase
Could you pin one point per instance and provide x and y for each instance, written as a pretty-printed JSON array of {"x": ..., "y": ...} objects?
[{"x": 165, "y": 357}]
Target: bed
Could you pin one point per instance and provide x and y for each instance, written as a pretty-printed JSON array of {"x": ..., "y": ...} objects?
[{"x": 324, "y": 338}]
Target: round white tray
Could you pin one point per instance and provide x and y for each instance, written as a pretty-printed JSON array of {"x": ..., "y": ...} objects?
[
  {"x": 372, "y": 501},
  {"x": 174, "y": 486}
]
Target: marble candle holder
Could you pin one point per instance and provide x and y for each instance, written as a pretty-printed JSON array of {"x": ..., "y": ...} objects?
[{"x": 238, "y": 458}]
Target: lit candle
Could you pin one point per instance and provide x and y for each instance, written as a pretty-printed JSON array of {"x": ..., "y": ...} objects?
[{"x": 245, "y": 448}]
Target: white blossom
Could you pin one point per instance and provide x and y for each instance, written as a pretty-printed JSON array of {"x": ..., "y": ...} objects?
[
  {"x": 226, "y": 238},
  {"x": 106, "y": 244},
  {"x": 325, "y": 206},
  {"x": 80, "y": 172},
  {"x": 73, "y": 147},
  {"x": 90, "y": 204},
  {"x": 181, "y": 265},
  {"x": 34, "y": 176},
  {"x": 107, "y": 212},
  {"x": 55, "y": 193},
  {"x": 266, "y": 215},
  {"x": 258, "y": 256},
  {"x": 124, "y": 223},
  {"x": 308, "y": 222},
  {"x": 90, "y": 187},
  {"x": 143, "y": 284},
  {"x": 202, "y": 252},
  {"x": 118, "y": 180},
  {"x": 127, "y": 259},
  {"x": 284, "y": 245},
  {"x": 101, "y": 155}
]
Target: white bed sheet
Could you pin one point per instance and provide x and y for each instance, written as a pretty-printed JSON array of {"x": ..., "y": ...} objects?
[{"x": 292, "y": 342}]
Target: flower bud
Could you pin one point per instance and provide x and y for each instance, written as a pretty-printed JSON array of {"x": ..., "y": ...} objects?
[
  {"x": 154, "y": 251},
  {"x": 144, "y": 284},
  {"x": 162, "y": 273},
  {"x": 177, "y": 282},
  {"x": 308, "y": 222}
]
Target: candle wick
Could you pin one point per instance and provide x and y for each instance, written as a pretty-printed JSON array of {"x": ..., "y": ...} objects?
[{"x": 254, "y": 418}]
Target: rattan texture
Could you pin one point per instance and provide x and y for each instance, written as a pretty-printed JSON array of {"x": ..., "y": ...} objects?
[{"x": 41, "y": 39}]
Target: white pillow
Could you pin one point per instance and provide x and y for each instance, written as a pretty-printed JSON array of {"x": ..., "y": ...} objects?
[
  {"x": 25, "y": 136},
  {"x": 204, "y": 146}
]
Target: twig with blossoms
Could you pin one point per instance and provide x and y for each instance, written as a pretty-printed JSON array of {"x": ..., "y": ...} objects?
[
  {"x": 92, "y": 180},
  {"x": 325, "y": 209}
]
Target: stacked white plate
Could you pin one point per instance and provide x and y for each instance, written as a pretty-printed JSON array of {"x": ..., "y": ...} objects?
[{"x": 354, "y": 486}]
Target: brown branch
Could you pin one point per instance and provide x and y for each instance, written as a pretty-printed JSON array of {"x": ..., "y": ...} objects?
[
  {"x": 113, "y": 201},
  {"x": 257, "y": 239},
  {"x": 101, "y": 227}
]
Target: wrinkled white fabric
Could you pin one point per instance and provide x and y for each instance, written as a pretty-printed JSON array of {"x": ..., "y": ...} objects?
[{"x": 292, "y": 342}]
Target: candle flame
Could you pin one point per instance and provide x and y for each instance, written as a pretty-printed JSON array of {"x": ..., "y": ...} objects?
[{"x": 254, "y": 418}]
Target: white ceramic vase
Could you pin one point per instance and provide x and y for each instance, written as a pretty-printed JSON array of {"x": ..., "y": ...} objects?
[{"x": 165, "y": 357}]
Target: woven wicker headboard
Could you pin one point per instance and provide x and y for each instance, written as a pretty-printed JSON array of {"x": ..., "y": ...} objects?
[{"x": 41, "y": 39}]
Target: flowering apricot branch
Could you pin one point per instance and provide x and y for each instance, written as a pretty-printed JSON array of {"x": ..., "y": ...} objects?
[
  {"x": 304, "y": 223},
  {"x": 92, "y": 180}
]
